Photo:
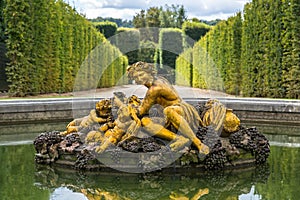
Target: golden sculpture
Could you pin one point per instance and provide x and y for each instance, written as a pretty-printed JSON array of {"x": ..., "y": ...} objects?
[
  {"x": 122, "y": 128},
  {"x": 133, "y": 113},
  {"x": 127, "y": 123},
  {"x": 101, "y": 115},
  {"x": 178, "y": 113},
  {"x": 221, "y": 118}
]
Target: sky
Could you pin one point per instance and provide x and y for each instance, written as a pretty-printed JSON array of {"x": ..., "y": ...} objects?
[{"x": 126, "y": 9}]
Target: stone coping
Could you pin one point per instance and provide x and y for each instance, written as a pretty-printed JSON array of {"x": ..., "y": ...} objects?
[{"x": 55, "y": 109}]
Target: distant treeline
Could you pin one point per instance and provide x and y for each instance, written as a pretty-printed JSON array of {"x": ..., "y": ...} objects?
[
  {"x": 257, "y": 54},
  {"x": 118, "y": 21},
  {"x": 47, "y": 41}
]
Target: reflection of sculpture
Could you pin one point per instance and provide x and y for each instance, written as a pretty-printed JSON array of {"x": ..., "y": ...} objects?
[
  {"x": 198, "y": 195},
  {"x": 178, "y": 113},
  {"x": 100, "y": 194},
  {"x": 94, "y": 194},
  {"x": 228, "y": 184}
]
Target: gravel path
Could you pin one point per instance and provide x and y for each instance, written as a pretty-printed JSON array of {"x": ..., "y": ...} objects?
[{"x": 139, "y": 90}]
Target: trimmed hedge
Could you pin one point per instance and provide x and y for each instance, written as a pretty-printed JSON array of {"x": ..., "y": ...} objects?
[
  {"x": 255, "y": 55},
  {"x": 47, "y": 42},
  {"x": 128, "y": 41},
  {"x": 108, "y": 29},
  {"x": 147, "y": 51},
  {"x": 170, "y": 46},
  {"x": 184, "y": 68},
  {"x": 192, "y": 32}
]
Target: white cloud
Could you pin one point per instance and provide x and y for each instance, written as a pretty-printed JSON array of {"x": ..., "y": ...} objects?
[
  {"x": 107, "y": 12},
  {"x": 126, "y": 9}
]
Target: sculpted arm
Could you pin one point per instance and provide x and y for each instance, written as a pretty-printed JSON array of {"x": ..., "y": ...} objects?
[
  {"x": 98, "y": 119},
  {"x": 149, "y": 100}
]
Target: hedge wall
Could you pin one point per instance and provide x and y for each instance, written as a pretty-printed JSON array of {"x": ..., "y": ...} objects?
[
  {"x": 47, "y": 41},
  {"x": 128, "y": 41},
  {"x": 256, "y": 55},
  {"x": 169, "y": 47},
  {"x": 147, "y": 51},
  {"x": 192, "y": 32},
  {"x": 108, "y": 29},
  {"x": 184, "y": 68}
]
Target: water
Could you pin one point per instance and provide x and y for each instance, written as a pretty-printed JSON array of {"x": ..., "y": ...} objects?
[{"x": 21, "y": 178}]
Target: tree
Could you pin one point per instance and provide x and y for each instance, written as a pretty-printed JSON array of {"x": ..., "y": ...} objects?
[
  {"x": 152, "y": 17},
  {"x": 139, "y": 20},
  {"x": 171, "y": 16}
]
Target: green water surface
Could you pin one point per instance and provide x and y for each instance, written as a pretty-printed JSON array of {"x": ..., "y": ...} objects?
[{"x": 21, "y": 178}]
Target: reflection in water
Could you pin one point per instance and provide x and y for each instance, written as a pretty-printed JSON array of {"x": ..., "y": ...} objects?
[
  {"x": 251, "y": 195},
  {"x": 158, "y": 185},
  {"x": 21, "y": 178},
  {"x": 25, "y": 133}
]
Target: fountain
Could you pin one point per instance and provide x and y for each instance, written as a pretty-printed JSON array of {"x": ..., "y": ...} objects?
[{"x": 159, "y": 132}]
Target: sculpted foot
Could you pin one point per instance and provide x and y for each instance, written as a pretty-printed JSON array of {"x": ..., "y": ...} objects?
[
  {"x": 203, "y": 149},
  {"x": 200, "y": 193},
  {"x": 180, "y": 142},
  {"x": 100, "y": 149}
]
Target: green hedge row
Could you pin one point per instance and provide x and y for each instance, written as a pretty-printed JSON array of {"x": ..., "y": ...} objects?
[
  {"x": 104, "y": 66},
  {"x": 128, "y": 41},
  {"x": 271, "y": 49},
  {"x": 184, "y": 68},
  {"x": 257, "y": 54},
  {"x": 108, "y": 29},
  {"x": 192, "y": 32},
  {"x": 206, "y": 75},
  {"x": 147, "y": 51},
  {"x": 169, "y": 47},
  {"x": 47, "y": 41},
  {"x": 217, "y": 57}
]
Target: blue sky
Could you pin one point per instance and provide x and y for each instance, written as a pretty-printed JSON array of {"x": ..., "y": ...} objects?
[{"x": 126, "y": 9}]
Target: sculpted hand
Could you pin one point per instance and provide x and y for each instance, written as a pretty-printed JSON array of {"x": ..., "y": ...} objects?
[{"x": 72, "y": 123}]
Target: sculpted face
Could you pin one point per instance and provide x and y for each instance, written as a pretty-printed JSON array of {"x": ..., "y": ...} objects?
[
  {"x": 143, "y": 73},
  {"x": 142, "y": 77},
  {"x": 104, "y": 105}
]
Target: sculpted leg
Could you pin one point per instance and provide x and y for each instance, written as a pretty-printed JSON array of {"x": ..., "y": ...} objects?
[
  {"x": 72, "y": 129},
  {"x": 173, "y": 114},
  {"x": 161, "y": 132},
  {"x": 112, "y": 136},
  {"x": 157, "y": 129}
]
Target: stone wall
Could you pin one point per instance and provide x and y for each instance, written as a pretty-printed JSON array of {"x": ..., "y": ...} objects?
[{"x": 253, "y": 110}]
